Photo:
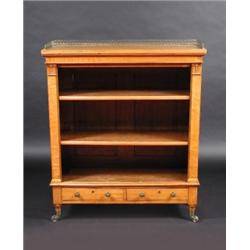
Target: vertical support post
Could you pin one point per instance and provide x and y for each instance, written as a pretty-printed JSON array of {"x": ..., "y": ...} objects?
[
  {"x": 54, "y": 123},
  {"x": 194, "y": 122},
  {"x": 194, "y": 132}
]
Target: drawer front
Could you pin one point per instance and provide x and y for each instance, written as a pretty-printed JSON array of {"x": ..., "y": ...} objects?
[
  {"x": 92, "y": 194},
  {"x": 171, "y": 195}
]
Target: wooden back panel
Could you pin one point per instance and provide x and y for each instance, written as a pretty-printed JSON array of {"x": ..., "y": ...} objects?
[
  {"x": 124, "y": 78},
  {"x": 124, "y": 115},
  {"x": 124, "y": 156}
]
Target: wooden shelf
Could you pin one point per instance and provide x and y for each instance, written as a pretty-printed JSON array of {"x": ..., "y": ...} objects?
[
  {"x": 88, "y": 177},
  {"x": 160, "y": 138},
  {"x": 105, "y": 95}
]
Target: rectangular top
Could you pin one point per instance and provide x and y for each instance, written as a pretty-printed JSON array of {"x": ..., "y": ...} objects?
[
  {"x": 123, "y": 47},
  {"x": 117, "y": 44}
]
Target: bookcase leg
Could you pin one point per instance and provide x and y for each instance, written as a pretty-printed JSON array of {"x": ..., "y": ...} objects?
[
  {"x": 194, "y": 218},
  {"x": 57, "y": 215}
]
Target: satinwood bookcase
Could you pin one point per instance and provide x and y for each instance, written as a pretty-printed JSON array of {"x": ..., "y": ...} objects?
[{"x": 124, "y": 121}]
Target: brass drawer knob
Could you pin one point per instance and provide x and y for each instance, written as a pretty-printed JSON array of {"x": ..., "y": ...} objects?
[
  {"x": 142, "y": 194},
  {"x": 77, "y": 194},
  {"x": 173, "y": 194},
  {"x": 107, "y": 194}
]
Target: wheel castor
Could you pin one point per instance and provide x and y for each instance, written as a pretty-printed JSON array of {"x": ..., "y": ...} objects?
[
  {"x": 194, "y": 218},
  {"x": 57, "y": 216}
]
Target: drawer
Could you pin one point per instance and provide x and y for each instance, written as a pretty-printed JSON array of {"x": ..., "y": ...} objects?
[
  {"x": 171, "y": 195},
  {"x": 92, "y": 194}
]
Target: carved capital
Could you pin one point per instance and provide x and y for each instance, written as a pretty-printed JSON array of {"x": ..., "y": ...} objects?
[
  {"x": 51, "y": 70},
  {"x": 193, "y": 180},
  {"x": 196, "y": 69}
]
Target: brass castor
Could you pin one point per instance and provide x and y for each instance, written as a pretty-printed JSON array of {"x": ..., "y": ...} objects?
[
  {"x": 194, "y": 218},
  {"x": 57, "y": 216}
]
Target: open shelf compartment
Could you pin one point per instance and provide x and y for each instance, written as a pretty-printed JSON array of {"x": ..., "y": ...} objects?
[
  {"x": 124, "y": 123},
  {"x": 124, "y": 126},
  {"x": 124, "y": 165},
  {"x": 117, "y": 177},
  {"x": 124, "y": 84}
]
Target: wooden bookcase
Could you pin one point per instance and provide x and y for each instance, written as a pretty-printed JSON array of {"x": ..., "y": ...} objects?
[{"x": 124, "y": 121}]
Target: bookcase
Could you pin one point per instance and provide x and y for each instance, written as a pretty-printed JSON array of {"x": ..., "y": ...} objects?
[{"x": 124, "y": 121}]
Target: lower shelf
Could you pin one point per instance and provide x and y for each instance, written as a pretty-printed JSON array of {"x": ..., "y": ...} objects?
[{"x": 112, "y": 177}]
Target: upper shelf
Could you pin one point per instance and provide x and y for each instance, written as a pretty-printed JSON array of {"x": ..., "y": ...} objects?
[{"x": 105, "y": 95}]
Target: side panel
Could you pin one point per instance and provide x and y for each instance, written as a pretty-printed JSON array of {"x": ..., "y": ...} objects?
[
  {"x": 54, "y": 123},
  {"x": 194, "y": 123}
]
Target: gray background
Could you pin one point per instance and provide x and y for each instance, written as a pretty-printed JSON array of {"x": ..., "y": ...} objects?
[{"x": 101, "y": 227}]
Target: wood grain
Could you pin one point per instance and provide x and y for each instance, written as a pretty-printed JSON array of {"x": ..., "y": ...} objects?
[
  {"x": 127, "y": 79},
  {"x": 92, "y": 194},
  {"x": 57, "y": 194},
  {"x": 124, "y": 115},
  {"x": 157, "y": 194},
  {"x": 163, "y": 65},
  {"x": 105, "y": 61},
  {"x": 122, "y": 177},
  {"x": 96, "y": 52},
  {"x": 159, "y": 138},
  {"x": 101, "y": 95},
  {"x": 194, "y": 123},
  {"x": 124, "y": 195},
  {"x": 192, "y": 196},
  {"x": 54, "y": 122}
]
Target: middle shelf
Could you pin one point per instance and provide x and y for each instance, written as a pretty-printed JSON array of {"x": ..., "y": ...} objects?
[{"x": 120, "y": 138}]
